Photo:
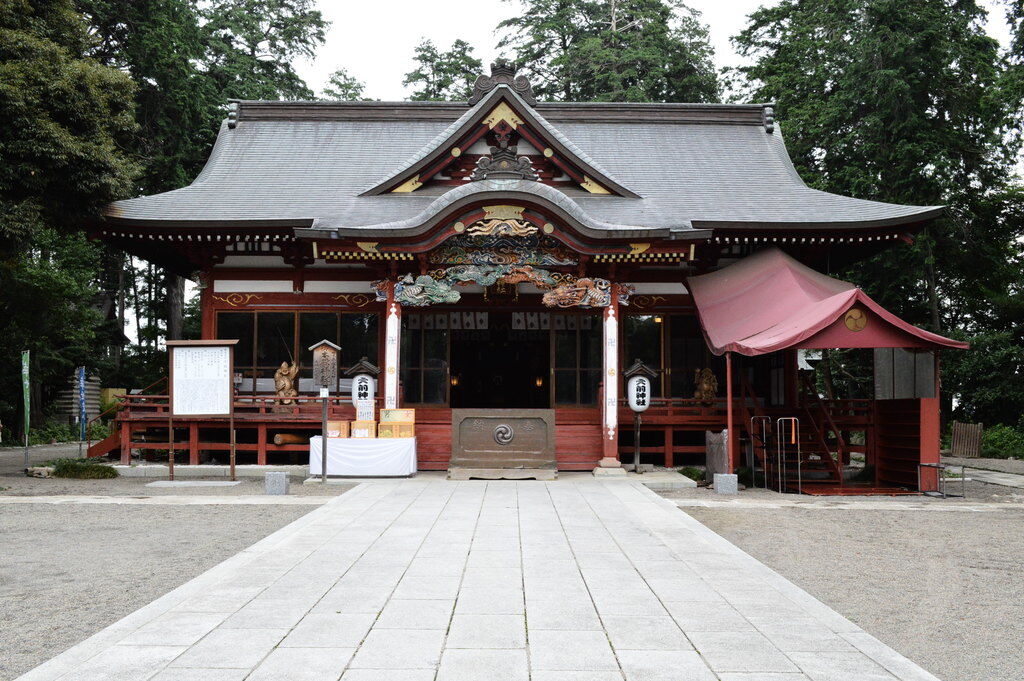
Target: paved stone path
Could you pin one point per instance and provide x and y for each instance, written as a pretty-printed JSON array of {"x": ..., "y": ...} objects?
[{"x": 438, "y": 581}]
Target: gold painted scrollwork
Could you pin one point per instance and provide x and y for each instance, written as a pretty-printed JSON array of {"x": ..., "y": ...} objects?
[
  {"x": 354, "y": 299},
  {"x": 643, "y": 301},
  {"x": 236, "y": 299}
]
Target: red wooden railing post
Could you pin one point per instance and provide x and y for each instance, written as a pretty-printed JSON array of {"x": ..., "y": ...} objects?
[{"x": 730, "y": 439}]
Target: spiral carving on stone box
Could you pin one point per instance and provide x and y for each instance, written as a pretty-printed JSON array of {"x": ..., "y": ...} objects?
[{"x": 503, "y": 434}]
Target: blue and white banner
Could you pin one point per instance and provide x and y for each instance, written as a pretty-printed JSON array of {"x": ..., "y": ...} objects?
[{"x": 81, "y": 403}]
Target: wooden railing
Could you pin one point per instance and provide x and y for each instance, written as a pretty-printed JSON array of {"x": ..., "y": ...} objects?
[{"x": 139, "y": 405}]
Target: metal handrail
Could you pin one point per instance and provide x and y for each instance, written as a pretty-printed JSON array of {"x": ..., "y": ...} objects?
[
  {"x": 115, "y": 407},
  {"x": 766, "y": 426},
  {"x": 794, "y": 432}
]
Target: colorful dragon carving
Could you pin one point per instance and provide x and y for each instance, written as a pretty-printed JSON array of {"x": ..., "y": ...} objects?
[{"x": 563, "y": 290}]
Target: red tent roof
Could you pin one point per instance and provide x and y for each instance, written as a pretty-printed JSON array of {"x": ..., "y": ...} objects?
[{"x": 769, "y": 301}]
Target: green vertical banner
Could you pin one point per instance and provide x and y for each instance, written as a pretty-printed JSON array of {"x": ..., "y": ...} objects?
[{"x": 27, "y": 397}]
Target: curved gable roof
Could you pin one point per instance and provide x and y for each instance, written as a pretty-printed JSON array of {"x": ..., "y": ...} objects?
[
  {"x": 440, "y": 145},
  {"x": 684, "y": 166}
]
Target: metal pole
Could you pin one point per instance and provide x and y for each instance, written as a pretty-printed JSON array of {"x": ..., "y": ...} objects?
[
  {"x": 170, "y": 442},
  {"x": 26, "y": 399},
  {"x": 231, "y": 427},
  {"x": 636, "y": 442},
  {"x": 323, "y": 443}
]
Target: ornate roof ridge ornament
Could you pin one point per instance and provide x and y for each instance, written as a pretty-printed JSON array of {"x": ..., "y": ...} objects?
[
  {"x": 503, "y": 72},
  {"x": 504, "y": 164}
]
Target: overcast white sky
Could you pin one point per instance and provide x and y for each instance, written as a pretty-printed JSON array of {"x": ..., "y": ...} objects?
[{"x": 375, "y": 40}]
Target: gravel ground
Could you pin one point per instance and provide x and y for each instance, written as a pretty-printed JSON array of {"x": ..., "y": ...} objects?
[
  {"x": 14, "y": 482},
  {"x": 945, "y": 589},
  {"x": 67, "y": 571},
  {"x": 1001, "y": 465}
]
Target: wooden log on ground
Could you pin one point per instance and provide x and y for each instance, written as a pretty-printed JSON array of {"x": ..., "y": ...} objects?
[{"x": 290, "y": 439}]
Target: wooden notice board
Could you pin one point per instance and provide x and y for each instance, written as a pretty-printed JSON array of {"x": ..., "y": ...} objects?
[{"x": 201, "y": 377}]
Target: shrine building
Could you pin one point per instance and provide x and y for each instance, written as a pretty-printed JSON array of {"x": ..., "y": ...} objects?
[{"x": 510, "y": 254}]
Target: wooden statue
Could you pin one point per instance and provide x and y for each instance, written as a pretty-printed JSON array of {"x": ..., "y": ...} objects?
[
  {"x": 706, "y": 384},
  {"x": 284, "y": 383}
]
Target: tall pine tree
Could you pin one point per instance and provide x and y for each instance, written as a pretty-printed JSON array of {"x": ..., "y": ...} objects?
[
  {"x": 447, "y": 75},
  {"x": 613, "y": 50}
]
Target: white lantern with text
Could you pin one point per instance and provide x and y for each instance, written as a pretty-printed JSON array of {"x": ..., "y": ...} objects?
[
  {"x": 364, "y": 385},
  {"x": 638, "y": 392}
]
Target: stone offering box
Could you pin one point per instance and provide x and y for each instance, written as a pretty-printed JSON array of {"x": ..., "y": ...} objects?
[{"x": 503, "y": 438}]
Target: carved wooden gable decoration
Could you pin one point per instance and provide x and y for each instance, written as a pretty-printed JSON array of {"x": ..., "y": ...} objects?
[{"x": 502, "y": 138}]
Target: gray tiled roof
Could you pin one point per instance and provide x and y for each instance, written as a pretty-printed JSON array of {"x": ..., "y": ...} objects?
[{"x": 692, "y": 166}]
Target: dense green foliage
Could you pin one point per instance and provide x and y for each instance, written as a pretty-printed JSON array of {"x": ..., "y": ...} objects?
[
  {"x": 1002, "y": 442},
  {"x": 908, "y": 101},
  {"x": 101, "y": 101},
  {"x": 83, "y": 469},
  {"x": 66, "y": 123},
  {"x": 445, "y": 75},
  {"x": 613, "y": 50},
  {"x": 344, "y": 87}
]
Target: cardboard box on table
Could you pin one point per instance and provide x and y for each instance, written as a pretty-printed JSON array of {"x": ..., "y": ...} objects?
[
  {"x": 397, "y": 423},
  {"x": 337, "y": 429},
  {"x": 363, "y": 429}
]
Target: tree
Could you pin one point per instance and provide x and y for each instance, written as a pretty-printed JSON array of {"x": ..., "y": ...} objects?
[
  {"x": 614, "y": 50},
  {"x": 251, "y": 45},
  {"x": 344, "y": 87},
  {"x": 902, "y": 101},
  {"x": 187, "y": 59},
  {"x": 446, "y": 76},
  {"x": 67, "y": 120},
  {"x": 542, "y": 37},
  {"x": 160, "y": 43}
]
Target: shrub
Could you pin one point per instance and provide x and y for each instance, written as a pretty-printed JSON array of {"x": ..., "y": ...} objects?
[
  {"x": 83, "y": 469},
  {"x": 693, "y": 473},
  {"x": 1002, "y": 442},
  {"x": 65, "y": 432}
]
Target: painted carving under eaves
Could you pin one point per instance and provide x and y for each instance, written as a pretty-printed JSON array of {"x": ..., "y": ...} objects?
[
  {"x": 562, "y": 290},
  {"x": 585, "y": 292},
  {"x": 419, "y": 292},
  {"x": 532, "y": 249}
]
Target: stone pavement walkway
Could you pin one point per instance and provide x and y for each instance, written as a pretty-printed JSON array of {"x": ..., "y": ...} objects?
[{"x": 439, "y": 581}]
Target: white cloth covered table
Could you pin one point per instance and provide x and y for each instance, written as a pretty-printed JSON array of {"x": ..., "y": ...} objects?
[{"x": 365, "y": 457}]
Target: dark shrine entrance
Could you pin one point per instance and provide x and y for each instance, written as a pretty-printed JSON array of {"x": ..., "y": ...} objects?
[{"x": 500, "y": 367}]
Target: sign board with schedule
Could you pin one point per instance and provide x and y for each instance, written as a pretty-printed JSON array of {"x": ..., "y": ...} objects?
[{"x": 201, "y": 377}]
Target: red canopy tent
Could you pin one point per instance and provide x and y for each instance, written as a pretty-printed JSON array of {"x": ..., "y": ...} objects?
[{"x": 769, "y": 302}]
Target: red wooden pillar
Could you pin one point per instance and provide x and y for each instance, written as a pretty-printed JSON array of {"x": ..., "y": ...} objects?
[
  {"x": 193, "y": 444},
  {"x": 126, "y": 442},
  {"x": 730, "y": 438},
  {"x": 610, "y": 374},
  {"x": 261, "y": 444},
  {"x": 207, "y": 320},
  {"x": 929, "y": 439},
  {"x": 392, "y": 344}
]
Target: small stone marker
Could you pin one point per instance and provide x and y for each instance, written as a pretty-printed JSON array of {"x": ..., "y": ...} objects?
[
  {"x": 277, "y": 483},
  {"x": 726, "y": 483}
]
